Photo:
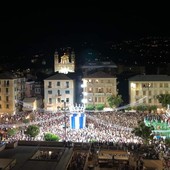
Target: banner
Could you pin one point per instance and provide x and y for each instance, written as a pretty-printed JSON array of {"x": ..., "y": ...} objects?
[{"x": 77, "y": 121}]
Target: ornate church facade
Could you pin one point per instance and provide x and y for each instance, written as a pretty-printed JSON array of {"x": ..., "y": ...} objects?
[{"x": 64, "y": 64}]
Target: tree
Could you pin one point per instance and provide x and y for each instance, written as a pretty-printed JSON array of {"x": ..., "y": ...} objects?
[
  {"x": 143, "y": 131},
  {"x": 164, "y": 99},
  {"x": 90, "y": 107},
  {"x": 51, "y": 137},
  {"x": 114, "y": 100},
  {"x": 141, "y": 108},
  {"x": 32, "y": 130},
  {"x": 100, "y": 106},
  {"x": 11, "y": 132}
]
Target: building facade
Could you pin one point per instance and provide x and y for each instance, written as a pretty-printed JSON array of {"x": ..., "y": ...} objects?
[
  {"x": 144, "y": 88},
  {"x": 97, "y": 87},
  {"x": 64, "y": 64},
  {"x": 12, "y": 92},
  {"x": 58, "y": 89}
]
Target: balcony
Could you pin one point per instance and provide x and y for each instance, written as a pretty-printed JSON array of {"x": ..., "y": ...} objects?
[
  {"x": 49, "y": 86},
  {"x": 99, "y": 94}
]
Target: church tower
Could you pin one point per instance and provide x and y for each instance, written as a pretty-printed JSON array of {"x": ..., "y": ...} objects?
[
  {"x": 65, "y": 63},
  {"x": 56, "y": 60}
]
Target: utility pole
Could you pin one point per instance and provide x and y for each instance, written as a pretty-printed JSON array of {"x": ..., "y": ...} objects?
[{"x": 65, "y": 121}]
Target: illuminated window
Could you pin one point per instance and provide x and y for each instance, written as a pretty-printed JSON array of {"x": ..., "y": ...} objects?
[
  {"x": 97, "y": 81},
  {"x": 90, "y": 99},
  {"x": 90, "y": 81},
  {"x": 90, "y": 89}
]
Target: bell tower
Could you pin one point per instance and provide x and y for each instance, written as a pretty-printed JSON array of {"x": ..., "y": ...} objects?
[{"x": 56, "y": 60}]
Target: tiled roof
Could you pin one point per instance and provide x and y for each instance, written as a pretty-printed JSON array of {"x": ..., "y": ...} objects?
[
  {"x": 99, "y": 74},
  {"x": 150, "y": 78},
  {"x": 60, "y": 76},
  {"x": 7, "y": 75}
]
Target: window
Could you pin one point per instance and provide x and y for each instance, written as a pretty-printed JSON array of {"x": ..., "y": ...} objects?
[
  {"x": 100, "y": 90},
  {"x": 150, "y": 93},
  {"x": 0, "y": 90},
  {"x": 58, "y": 100},
  {"x": 0, "y": 97},
  {"x": 67, "y": 92},
  {"x": 165, "y": 85},
  {"x": 7, "y": 106},
  {"x": 58, "y": 92},
  {"x": 161, "y": 85},
  {"x": 67, "y": 100},
  {"x": 150, "y": 100},
  {"x": 49, "y": 84},
  {"x": 7, "y": 99},
  {"x": 6, "y": 90},
  {"x": 0, "y": 106},
  {"x": 144, "y": 93},
  {"x": 49, "y": 91},
  {"x": 97, "y": 81},
  {"x": 90, "y": 81},
  {"x": 50, "y": 101},
  {"x": 58, "y": 83},
  {"x": 90, "y": 90},
  {"x": 67, "y": 84},
  {"x": 90, "y": 99},
  {"x": 137, "y": 93}
]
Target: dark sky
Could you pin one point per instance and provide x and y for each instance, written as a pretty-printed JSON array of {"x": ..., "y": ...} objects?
[{"x": 26, "y": 30}]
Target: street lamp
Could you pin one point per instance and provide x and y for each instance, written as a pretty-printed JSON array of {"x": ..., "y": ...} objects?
[{"x": 65, "y": 123}]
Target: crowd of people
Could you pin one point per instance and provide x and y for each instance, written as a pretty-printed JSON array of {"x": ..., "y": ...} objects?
[
  {"x": 100, "y": 126},
  {"x": 112, "y": 129}
]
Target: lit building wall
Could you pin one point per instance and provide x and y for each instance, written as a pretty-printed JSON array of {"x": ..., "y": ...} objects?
[
  {"x": 12, "y": 91},
  {"x": 56, "y": 92},
  {"x": 96, "y": 90},
  {"x": 146, "y": 91}
]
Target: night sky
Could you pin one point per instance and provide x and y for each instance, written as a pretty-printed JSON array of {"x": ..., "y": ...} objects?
[{"x": 25, "y": 31}]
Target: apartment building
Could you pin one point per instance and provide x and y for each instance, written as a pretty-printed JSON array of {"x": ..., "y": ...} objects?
[
  {"x": 12, "y": 91},
  {"x": 58, "y": 88},
  {"x": 97, "y": 87},
  {"x": 145, "y": 88}
]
